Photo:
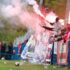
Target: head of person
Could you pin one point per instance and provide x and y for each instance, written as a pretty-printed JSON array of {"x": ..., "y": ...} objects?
[{"x": 57, "y": 19}]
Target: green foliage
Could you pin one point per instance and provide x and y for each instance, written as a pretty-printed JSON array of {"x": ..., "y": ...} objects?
[
  {"x": 9, "y": 33},
  {"x": 8, "y": 36},
  {"x": 54, "y": 3},
  {"x": 58, "y": 6}
]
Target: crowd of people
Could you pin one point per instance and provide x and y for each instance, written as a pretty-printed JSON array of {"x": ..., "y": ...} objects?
[{"x": 6, "y": 50}]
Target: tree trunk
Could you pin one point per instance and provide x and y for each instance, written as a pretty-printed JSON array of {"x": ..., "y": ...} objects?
[{"x": 67, "y": 18}]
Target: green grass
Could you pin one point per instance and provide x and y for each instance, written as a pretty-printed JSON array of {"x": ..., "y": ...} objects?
[{"x": 10, "y": 65}]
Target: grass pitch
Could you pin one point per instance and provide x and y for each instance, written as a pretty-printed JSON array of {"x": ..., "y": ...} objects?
[{"x": 10, "y": 65}]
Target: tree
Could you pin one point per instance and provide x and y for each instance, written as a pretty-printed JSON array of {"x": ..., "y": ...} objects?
[
  {"x": 9, "y": 33},
  {"x": 59, "y": 6}
]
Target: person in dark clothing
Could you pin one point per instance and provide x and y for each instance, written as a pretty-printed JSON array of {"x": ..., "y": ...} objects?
[
  {"x": 10, "y": 51},
  {"x": 2, "y": 50}
]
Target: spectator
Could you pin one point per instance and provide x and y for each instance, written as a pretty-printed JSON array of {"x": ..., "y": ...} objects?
[
  {"x": 2, "y": 50},
  {"x": 10, "y": 51}
]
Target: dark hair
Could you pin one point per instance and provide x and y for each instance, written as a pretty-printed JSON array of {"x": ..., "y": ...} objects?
[{"x": 57, "y": 19}]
